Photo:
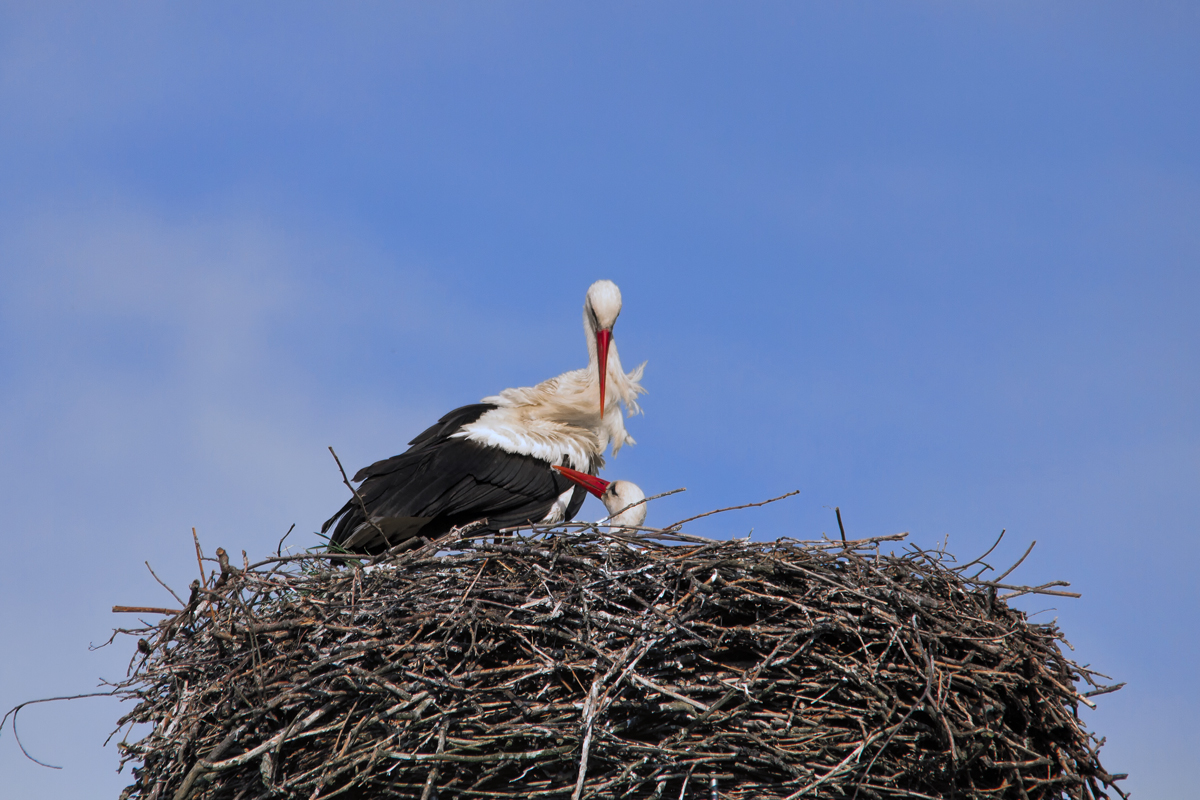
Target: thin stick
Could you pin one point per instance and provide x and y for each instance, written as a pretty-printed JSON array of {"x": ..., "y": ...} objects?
[
  {"x": 982, "y": 557},
  {"x": 640, "y": 502},
  {"x": 595, "y": 702},
  {"x": 686, "y": 778},
  {"x": 841, "y": 527},
  {"x": 361, "y": 504},
  {"x": 160, "y": 583},
  {"x": 199, "y": 559},
  {"x": 589, "y": 710},
  {"x": 994, "y": 585},
  {"x": 279, "y": 547},
  {"x": 467, "y": 593},
  {"x": 431, "y": 781},
  {"x": 145, "y": 610},
  {"x": 662, "y": 494},
  {"x": 1014, "y": 566},
  {"x": 17, "y": 708},
  {"x": 677, "y": 525},
  {"x": 854, "y": 754},
  {"x": 1040, "y": 590},
  {"x": 212, "y": 611}
]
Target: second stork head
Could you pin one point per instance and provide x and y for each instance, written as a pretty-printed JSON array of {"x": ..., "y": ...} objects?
[{"x": 623, "y": 500}]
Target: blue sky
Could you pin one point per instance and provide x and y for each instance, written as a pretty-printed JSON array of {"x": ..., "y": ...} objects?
[{"x": 937, "y": 264}]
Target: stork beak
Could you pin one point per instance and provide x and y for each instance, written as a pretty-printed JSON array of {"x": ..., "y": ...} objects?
[
  {"x": 592, "y": 483},
  {"x": 603, "y": 338}
]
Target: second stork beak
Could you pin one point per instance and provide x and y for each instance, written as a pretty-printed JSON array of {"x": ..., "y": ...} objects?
[
  {"x": 603, "y": 338},
  {"x": 592, "y": 483}
]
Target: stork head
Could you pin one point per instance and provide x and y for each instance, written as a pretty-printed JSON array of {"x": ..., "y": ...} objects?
[
  {"x": 600, "y": 312},
  {"x": 617, "y": 497}
]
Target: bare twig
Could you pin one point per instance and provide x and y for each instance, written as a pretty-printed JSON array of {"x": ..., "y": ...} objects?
[
  {"x": 361, "y": 503},
  {"x": 642, "y": 502},
  {"x": 980, "y": 559},
  {"x": 279, "y": 547},
  {"x": 841, "y": 767},
  {"x": 17, "y": 709},
  {"x": 160, "y": 583},
  {"x": 682, "y": 522},
  {"x": 199, "y": 559},
  {"x": 145, "y": 610},
  {"x": 1009, "y": 571},
  {"x": 431, "y": 781}
]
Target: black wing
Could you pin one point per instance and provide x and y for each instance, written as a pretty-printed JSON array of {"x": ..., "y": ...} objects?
[{"x": 441, "y": 482}]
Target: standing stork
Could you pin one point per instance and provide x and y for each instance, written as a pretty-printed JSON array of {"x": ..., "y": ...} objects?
[
  {"x": 624, "y": 500},
  {"x": 492, "y": 460}
]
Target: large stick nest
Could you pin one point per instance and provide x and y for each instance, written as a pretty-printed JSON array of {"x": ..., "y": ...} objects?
[{"x": 588, "y": 664}]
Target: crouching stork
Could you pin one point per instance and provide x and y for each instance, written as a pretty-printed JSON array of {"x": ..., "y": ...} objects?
[{"x": 492, "y": 461}]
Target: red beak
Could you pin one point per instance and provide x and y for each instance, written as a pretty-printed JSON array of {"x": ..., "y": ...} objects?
[
  {"x": 603, "y": 338},
  {"x": 590, "y": 482}
]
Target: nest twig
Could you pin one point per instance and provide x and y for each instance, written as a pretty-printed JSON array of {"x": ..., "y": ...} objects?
[{"x": 594, "y": 664}]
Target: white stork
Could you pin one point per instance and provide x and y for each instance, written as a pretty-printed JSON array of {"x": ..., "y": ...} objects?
[
  {"x": 491, "y": 460},
  {"x": 623, "y": 499}
]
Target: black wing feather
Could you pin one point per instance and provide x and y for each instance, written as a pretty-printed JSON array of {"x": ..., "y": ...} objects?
[
  {"x": 440, "y": 431},
  {"x": 441, "y": 482}
]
